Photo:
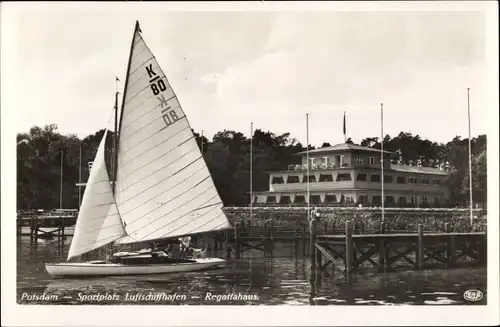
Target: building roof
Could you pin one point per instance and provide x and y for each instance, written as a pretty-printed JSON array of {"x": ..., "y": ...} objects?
[
  {"x": 342, "y": 147},
  {"x": 416, "y": 169}
]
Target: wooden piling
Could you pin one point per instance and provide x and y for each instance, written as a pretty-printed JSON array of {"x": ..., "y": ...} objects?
[
  {"x": 348, "y": 247},
  {"x": 312, "y": 247},
  {"x": 237, "y": 240},
  {"x": 420, "y": 247},
  {"x": 226, "y": 245},
  {"x": 36, "y": 229}
]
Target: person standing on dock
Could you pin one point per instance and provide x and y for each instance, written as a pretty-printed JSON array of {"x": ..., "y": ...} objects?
[{"x": 315, "y": 215}]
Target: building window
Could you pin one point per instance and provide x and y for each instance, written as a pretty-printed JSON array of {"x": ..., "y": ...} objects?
[
  {"x": 271, "y": 199},
  {"x": 436, "y": 181},
  {"x": 311, "y": 178},
  {"x": 412, "y": 200},
  {"x": 402, "y": 200},
  {"x": 375, "y": 178},
  {"x": 315, "y": 199},
  {"x": 376, "y": 199},
  {"x": 362, "y": 199},
  {"x": 293, "y": 179},
  {"x": 359, "y": 160},
  {"x": 300, "y": 199},
  {"x": 361, "y": 177},
  {"x": 343, "y": 177},
  {"x": 326, "y": 178},
  {"x": 389, "y": 200},
  {"x": 341, "y": 161},
  {"x": 387, "y": 179},
  {"x": 330, "y": 198},
  {"x": 285, "y": 199},
  {"x": 424, "y": 200},
  {"x": 325, "y": 161},
  {"x": 412, "y": 180},
  {"x": 277, "y": 180},
  {"x": 436, "y": 200},
  {"x": 401, "y": 180},
  {"x": 425, "y": 181},
  {"x": 371, "y": 160},
  {"x": 349, "y": 199}
]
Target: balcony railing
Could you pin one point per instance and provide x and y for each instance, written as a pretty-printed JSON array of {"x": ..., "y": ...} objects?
[{"x": 322, "y": 166}]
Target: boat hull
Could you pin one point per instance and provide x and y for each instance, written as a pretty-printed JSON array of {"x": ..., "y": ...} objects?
[{"x": 83, "y": 269}]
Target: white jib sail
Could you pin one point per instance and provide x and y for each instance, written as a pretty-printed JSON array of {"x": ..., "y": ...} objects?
[
  {"x": 164, "y": 188},
  {"x": 98, "y": 221}
]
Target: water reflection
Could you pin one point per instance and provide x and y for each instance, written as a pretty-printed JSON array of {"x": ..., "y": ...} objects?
[{"x": 282, "y": 277}]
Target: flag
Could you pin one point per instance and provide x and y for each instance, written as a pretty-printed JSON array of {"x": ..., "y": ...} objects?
[{"x": 344, "y": 123}]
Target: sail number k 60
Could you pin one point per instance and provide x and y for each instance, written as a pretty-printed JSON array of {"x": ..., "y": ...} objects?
[{"x": 157, "y": 86}]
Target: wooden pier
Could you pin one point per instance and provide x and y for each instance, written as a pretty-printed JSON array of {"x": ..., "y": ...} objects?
[
  {"x": 417, "y": 250},
  {"x": 46, "y": 227}
]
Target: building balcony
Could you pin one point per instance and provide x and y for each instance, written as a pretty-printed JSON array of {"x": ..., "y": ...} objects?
[{"x": 323, "y": 166}]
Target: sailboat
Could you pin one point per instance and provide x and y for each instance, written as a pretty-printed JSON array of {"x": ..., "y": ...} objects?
[{"x": 161, "y": 187}]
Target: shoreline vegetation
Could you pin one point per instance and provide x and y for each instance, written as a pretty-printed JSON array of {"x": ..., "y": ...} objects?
[{"x": 227, "y": 156}]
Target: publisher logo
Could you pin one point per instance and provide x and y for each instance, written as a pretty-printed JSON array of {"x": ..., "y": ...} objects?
[{"x": 473, "y": 295}]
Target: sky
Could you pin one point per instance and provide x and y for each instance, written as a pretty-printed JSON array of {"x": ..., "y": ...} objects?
[{"x": 269, "y": 67}]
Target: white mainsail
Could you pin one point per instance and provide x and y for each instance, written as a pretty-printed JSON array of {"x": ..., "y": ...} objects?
[
  {"x": 98, "y": 221},
  {"x": 163, "y": 188}
]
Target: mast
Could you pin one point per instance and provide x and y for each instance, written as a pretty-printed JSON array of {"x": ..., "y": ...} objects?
[
  {"x": 201, "y": 141},
  {"x": 470, "y": 160},
  {"x": 137, "y": 28},
  {"x": 115, "y": 140},
  {"x": 382, "y": 158}
]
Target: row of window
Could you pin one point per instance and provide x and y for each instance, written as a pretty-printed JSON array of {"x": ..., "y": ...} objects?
[
  {"x": 362, "y": 177},
  {"x": 363, "y": 199},
  {"x": 340, "y": 160}
]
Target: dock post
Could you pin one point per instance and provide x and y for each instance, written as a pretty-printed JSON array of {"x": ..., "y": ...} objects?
[
  {"x": 36, "y": 229},
  {"x": 450, "y": 248},
  {"x": 32, "y": 226},
  {"x": 312, "y": 247},
  {"x": 237, "y": 239},
  {"x": 420, "y": 247},
  {"x": 227, "y": 248},
  {"x": 348, "y": 247}
]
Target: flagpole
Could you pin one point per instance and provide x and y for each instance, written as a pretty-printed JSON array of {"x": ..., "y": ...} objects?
[
  {"x": 251, "y": 170},
  {"x": 61, "y": 184},
  {"x": 80, "y": 179},
  {"x": 201, "y": 143},
  {"x": 382, "y": 158},
  {"x": 345, "y": 129},
  {"x": 470, "y": 159},
  {"x": 307, "y": 158}
]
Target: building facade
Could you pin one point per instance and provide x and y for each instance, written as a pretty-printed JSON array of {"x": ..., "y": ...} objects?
[{"x": 348, "y": 174}]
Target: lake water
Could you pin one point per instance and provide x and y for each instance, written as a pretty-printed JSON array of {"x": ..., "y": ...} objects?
[{"x": 282, "y": 279}]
